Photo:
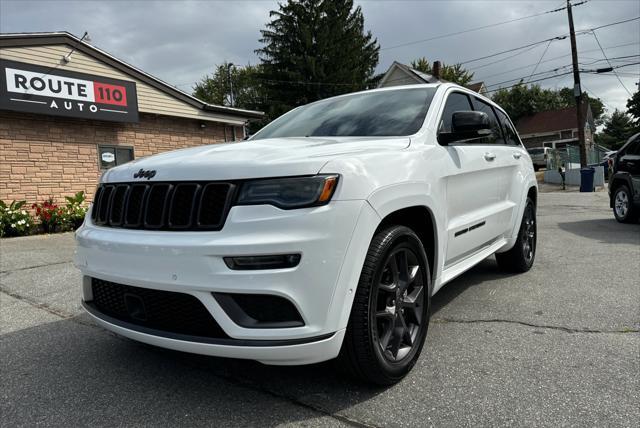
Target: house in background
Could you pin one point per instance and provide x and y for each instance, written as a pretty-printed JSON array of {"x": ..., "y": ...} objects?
[
  {"x": 400, "y": 74},
  {"x": 556, "y": 128},
  {"x": 69, "y": 111}
]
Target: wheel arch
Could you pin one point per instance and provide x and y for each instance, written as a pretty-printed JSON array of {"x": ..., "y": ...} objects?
[
  {"x": 533, "y": 194},
  {"x": 411, "y": 204},
  {"x": 616, "y": 181},
  {"x": 420, "y": 219}
]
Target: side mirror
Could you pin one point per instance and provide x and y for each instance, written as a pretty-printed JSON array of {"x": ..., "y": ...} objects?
[{"x": 467, "y": 126}]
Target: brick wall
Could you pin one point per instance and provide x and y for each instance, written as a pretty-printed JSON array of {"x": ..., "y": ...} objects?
[{"x": 46, "y": 156}]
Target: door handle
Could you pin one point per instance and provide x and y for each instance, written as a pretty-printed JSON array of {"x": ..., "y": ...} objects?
[
  {"x": 489, "y": 156},
  {"x": 517, "y": 155}
]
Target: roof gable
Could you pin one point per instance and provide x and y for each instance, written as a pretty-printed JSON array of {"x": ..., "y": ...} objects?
[{"x": 399, "y": 74}]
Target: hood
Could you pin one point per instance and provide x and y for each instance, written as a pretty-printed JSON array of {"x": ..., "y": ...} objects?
[{"x": 252, "y": 159}]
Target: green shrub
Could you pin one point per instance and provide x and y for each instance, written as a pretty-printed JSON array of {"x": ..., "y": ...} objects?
[
  {"x": 74, "y": 212},
  {"x": 14, "y": 221}
]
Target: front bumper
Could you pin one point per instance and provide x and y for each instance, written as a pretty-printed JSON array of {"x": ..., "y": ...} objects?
[{"x": 330, "y": 239}]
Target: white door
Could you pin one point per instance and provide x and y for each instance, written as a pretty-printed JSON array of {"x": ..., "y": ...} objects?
[
  {"x": 506, "y": 164},
  {"x": 471, "y": 181},
  {"x": 513, "y": 157}
]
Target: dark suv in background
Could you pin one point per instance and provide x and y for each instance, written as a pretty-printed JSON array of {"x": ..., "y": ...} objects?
[{"x": 624, "y": 184}]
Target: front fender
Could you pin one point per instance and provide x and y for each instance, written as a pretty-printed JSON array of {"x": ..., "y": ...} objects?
[{"x": 395, "y": 197}]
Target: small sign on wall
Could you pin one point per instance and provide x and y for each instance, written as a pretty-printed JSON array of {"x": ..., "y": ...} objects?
[
  {"x": 48, "y": 90},
  {"x": 108, "y": 157}
]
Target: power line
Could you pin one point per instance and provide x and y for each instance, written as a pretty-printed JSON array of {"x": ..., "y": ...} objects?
[
  {"x": 553, "y": 59},
  {"x": 521, "y": 79},
  {"x": 588, "y": 30},
  {"x": 541, "y": 57},
  {"x": 504, "y": 59},
  {"x": 456, "y": 33},
  {"x": 514, "y": 49},
  {"x": 609, "y": 62},
  {"x": 612, "y": 68},
  {"x": 561, "y": 37},
  {"x": 532, "y": 81}
]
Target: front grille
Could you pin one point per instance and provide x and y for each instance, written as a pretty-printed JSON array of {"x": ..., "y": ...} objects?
[
  {"x": 168, "y": 311},
  {"x": 163, "y": 206}
]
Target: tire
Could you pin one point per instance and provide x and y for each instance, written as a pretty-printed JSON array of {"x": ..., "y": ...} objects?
[
  {"x": 623, "y": 208},
  {"x": 390, "y": 313},
  {"x": 520, "y": 258}
]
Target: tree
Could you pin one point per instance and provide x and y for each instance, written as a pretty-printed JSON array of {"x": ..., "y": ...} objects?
[
  {"x": 524, "y": 100},
  {"x": 617, "y": 129},
  {"x": 313, "y": 49},
  {"x": 633, "y": 109},
  {"x": 452, "y": 73},
  {"x": 216, "y": 88},
  {"x": 597, "y": 106}
]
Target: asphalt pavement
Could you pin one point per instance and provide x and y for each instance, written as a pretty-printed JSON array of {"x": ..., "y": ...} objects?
[{"x": 559, "y": 345}]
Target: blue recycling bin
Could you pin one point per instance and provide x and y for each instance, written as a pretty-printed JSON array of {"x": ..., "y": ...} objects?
[{"x": 586, "y": 179}]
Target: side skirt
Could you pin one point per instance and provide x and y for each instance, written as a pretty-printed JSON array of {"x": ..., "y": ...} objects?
[{"x": 475, "y": 257}]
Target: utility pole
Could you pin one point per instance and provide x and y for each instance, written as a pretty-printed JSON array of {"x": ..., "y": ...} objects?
[
  {"x": 577, "y": 89},
  {"x": 229, "y": 65}
]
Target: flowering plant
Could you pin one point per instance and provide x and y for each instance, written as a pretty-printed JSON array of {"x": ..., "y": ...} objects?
[
  {"x": 14, "y": 221},
  {"x": 73, "y": 212},
  {"x": 50, "y": 215}
]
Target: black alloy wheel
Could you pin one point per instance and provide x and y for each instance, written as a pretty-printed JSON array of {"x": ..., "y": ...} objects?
[
  {"x": 390, "y": 313},
  {"x": 521, "y": 256},
  {"x": 528, "y": 232},
  {"x": 398, "y": 305}
]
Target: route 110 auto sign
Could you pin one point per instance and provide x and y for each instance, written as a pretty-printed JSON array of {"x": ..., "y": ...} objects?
[{"x": 49, "y": 90}]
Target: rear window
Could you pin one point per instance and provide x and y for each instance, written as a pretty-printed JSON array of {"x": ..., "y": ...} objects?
[{"x": 535, "y": 151}]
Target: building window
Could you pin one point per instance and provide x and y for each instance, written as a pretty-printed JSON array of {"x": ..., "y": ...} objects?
[{"x": 110, "y": 156}]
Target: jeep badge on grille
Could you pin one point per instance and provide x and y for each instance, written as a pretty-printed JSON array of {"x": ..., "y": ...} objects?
[{"x": 145, "y": 174}]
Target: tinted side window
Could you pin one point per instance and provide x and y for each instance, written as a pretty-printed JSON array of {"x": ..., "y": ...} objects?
[
  {"x": 634, "y": 147},
  {"x": 510, "y": 134},
  {"x": 456, "y": 101},
  {"x": 486, "y": 108}
]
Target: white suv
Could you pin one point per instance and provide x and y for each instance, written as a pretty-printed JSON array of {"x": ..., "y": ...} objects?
[{"x": 325, "y": 235}]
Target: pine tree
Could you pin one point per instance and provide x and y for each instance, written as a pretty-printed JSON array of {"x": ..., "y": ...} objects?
[
  {"x": 617, "y": 129},
  {"x": 633, "y": 109},
  {"x": 315, "y": 49}
]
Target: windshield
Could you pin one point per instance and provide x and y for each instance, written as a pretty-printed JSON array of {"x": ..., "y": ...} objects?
[{"x": 398, "y": 112}]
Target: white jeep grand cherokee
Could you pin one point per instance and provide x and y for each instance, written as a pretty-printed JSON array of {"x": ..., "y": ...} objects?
[{"x": 325, "y": 235}]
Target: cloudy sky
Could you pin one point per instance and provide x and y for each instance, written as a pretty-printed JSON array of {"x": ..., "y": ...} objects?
[{"x": 179, "y": 41}]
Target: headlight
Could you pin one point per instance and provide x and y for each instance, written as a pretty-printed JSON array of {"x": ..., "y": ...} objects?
[{"x": 289, "y": 193}]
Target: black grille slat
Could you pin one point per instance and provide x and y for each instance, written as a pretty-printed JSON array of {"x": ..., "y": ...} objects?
[
  {"x": 214, "y": 201},
  {"x": 164, "y": 310},
  {"x": 96, "y": 203},
  {"x": 104, "y": 205},
  {"x": 117, "y": 205},
  {"x": 156, "y": 206},
  {"x": 163, "y": 205},
  {"x": 182, "y": 205},
  {"x": 135, "y": 205}
]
